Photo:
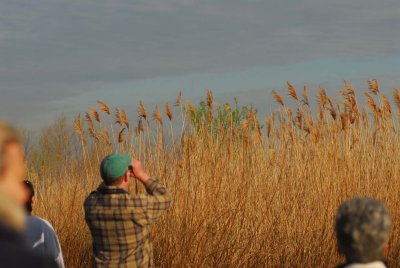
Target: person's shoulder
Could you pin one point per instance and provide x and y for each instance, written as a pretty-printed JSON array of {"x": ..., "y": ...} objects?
[
  {"x": 47, "y": 224},
  {"x": 92, "y": 196},
  {"x": 40, "y": 221},
  {"x": 34, "y": 220},
  {"x": 37, "y": 219}
]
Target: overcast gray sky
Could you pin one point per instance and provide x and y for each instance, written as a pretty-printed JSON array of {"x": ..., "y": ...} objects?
[{"x": 60, "y": 56}]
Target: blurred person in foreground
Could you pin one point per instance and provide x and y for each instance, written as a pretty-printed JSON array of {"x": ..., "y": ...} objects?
[
  {"x": 119, "y": 221},
  {"x": 362, "y": 230},
  {"x": 40, "y": 234},
  {"x": 13, "y": 250}
]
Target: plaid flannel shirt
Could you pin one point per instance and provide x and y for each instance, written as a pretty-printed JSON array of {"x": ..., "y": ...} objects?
[{"x": 119, "y": 224}]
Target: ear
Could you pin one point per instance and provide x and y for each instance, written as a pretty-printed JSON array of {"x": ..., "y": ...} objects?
[
  {"x": 126, "y": 177},
  {"x": 385, "y": 252},
  {"x": 33, "y": 201}
]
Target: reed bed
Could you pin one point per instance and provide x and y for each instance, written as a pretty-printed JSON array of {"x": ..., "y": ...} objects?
[{"x": 248, "y": 192}]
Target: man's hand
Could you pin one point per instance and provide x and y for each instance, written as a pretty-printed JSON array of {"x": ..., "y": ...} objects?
[{"x": 139, "y": 172}]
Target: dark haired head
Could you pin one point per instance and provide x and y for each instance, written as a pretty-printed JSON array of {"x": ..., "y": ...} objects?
[{"x": 31, "y": 193}]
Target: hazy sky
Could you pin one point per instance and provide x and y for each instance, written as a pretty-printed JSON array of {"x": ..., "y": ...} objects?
[{"x": 60, "y": 56}]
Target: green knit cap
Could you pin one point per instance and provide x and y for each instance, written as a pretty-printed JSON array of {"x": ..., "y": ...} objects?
[{"x": 114, "y": 166}]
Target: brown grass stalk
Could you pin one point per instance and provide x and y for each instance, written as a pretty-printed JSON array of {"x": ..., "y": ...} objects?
[
  {"x": 237, "y": 202},
  {"x": 278, "y": 98}
]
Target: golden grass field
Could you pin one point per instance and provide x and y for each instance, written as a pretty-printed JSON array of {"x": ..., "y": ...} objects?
[{"x": 248, "y": 192}]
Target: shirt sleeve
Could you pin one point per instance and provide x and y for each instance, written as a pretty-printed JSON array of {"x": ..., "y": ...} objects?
[
  {"x": 53, "y": 247},
  {"x": 150, "y": 207}
]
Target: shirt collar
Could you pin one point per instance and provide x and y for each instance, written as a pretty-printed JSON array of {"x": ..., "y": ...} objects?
[
  {"x": 375, "y": 264},
  {"x": 110, "y": 189}
]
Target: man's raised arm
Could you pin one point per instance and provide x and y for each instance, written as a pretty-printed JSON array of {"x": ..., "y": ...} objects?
[{"x": 157, "y": 199}]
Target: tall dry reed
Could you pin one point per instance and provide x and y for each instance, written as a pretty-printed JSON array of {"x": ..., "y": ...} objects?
[{"x": 245, "y": 195}]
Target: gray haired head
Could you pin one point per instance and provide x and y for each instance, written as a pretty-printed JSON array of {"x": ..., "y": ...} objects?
[{"x": 362, "y": 229}]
